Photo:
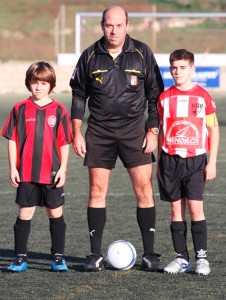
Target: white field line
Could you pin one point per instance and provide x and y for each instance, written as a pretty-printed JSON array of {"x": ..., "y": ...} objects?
[{"x": 112, "y": 194}]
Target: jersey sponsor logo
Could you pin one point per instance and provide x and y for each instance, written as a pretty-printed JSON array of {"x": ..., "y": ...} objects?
[
  {"x": 52, "y": 121},
  {"x": 183, "y": 133},
  {"x": 197, "y": 108},
  {"x": 30, "y": 120},
  {"x": 133, "y": 80}
]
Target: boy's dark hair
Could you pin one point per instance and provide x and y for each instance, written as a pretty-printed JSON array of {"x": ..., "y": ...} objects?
[
  {"x": 40, "y": 71},
  {"x": 182, "y": 54}
]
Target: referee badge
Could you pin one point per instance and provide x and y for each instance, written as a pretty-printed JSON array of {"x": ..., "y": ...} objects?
[{"x": 133, "y": 80}]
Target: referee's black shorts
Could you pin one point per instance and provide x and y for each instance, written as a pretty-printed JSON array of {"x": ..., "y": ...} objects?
[
  {"x": 181, "y": 177},
  {"x": 108, "y": 140},
  {"x": 31, "y": 194}
]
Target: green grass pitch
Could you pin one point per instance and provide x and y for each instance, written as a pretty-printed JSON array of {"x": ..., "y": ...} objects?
[{"x": 39, "y": 283}]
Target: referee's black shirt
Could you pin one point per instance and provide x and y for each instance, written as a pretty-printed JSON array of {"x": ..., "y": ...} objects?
[{"x": 117, "y": 88}]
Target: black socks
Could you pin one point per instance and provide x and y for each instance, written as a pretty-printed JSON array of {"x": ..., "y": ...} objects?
[
  {"x": 146, "y": 221},
  {"x": 96, "y": 222}
]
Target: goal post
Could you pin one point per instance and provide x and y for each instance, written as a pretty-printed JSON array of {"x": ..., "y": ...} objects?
[
  {"x": 202, "y": 33},
  {"x": 184, "y": 28}
]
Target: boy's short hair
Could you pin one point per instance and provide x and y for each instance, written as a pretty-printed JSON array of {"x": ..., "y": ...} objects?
[
  {"x": 182, "y": 54},
  {"x": 40, "y": 71}
]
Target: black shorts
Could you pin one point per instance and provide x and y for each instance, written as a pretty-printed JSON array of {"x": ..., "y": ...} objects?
[
  {"x": 108, "y": 140},
  {"x": 181, "y": 177},
  {"x": 31, "y": 194}
]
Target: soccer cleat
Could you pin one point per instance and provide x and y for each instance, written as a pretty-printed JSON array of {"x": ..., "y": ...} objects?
[
  {"x": 202, "y": 267},
  {"x": 19, "y": 264},
  {"x": 151, "y": 263},
  {"x": 94, "y": 263},
  {"x": 179, "y": 265},
  {"x": 58, "y": 263}
]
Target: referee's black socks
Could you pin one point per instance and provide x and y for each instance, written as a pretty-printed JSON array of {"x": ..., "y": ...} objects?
[
  {"x": 96, "y": 222},
  {"x": 146, "y": 221}
]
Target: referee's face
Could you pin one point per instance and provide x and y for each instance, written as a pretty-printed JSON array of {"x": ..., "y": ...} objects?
[{"x": 115, "y": 28}]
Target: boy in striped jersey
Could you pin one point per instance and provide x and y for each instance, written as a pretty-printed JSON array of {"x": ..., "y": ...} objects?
[
  {"x": 188, "y": 130},
  {"x": 38, "y": 133}
]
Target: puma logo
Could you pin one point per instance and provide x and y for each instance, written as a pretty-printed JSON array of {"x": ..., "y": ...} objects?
[
  {"x": 91, "y": 232},
  {"x": 100, "y": 80}
]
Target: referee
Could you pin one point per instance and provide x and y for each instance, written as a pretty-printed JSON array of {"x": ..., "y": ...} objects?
[{"x": 119, "y": 77}]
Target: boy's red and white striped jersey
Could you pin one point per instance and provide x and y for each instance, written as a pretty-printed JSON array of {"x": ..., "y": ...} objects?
[{"x": 183, "y": 117}]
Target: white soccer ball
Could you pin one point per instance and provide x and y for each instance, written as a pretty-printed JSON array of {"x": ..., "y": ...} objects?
[{"x": 121, "y": 255}]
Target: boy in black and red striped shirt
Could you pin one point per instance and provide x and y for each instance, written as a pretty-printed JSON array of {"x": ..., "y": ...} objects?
[{"x": 38, "y": 133}]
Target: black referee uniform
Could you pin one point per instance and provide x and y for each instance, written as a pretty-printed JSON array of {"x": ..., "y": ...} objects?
[{"x": 118, "y": 92}]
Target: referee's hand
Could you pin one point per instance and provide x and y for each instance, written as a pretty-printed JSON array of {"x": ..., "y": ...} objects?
[
  {"x": 79, "y": 145},
  {"x": 150, "y": 142}
]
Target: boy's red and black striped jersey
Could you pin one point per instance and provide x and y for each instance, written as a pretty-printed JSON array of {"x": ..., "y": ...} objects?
[{"x": 39, "y": 132}]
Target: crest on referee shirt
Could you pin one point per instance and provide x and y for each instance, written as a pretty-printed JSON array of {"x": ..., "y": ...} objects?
[{"x": 133, "y": 80}]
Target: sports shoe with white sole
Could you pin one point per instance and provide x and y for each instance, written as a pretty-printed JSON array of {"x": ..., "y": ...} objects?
[
  {"x": 19, "y": 264},
  {"x": 151, "y": 263},
  {"x": 179, "y": 265},
  {"x": 94, "y": 263},
  {"x": 202, "y": 267},
  {"x": 58, "y": 263}
]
